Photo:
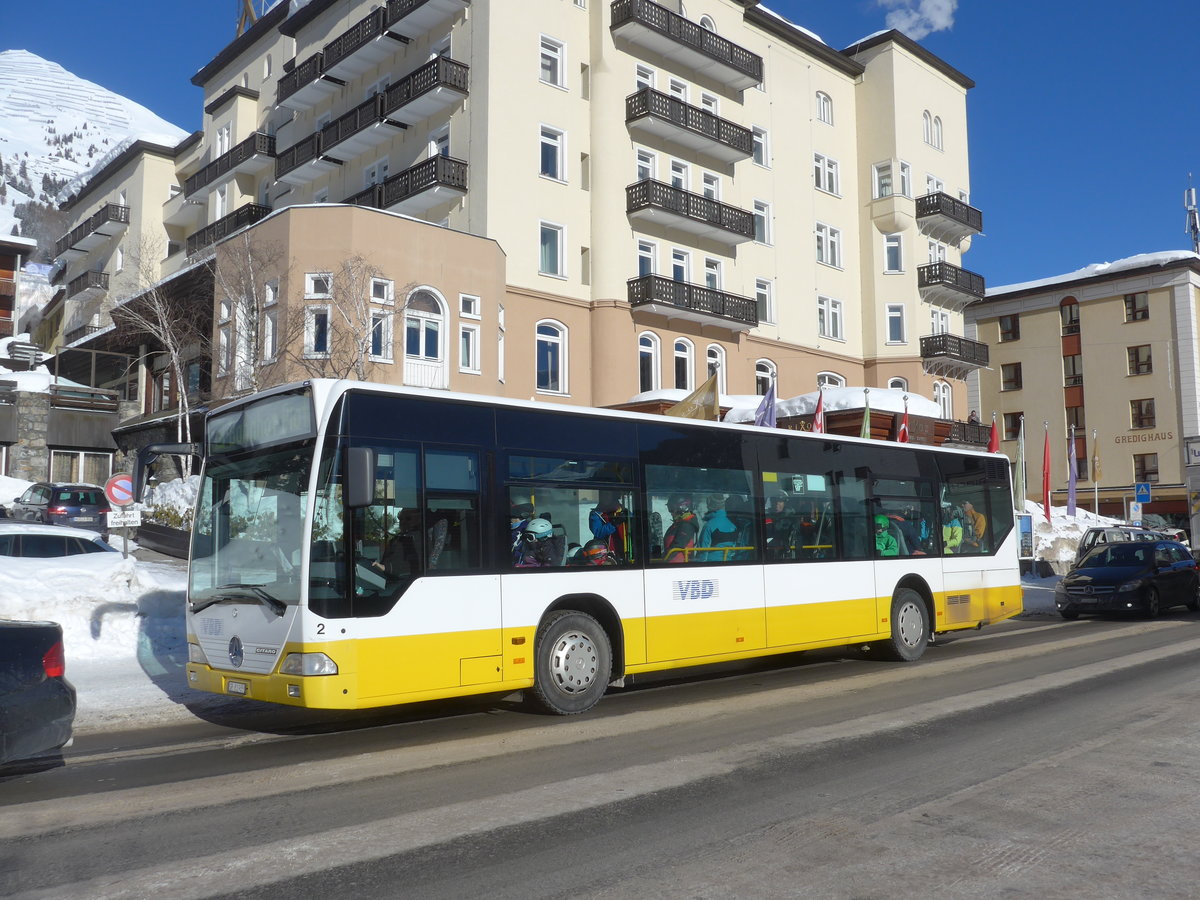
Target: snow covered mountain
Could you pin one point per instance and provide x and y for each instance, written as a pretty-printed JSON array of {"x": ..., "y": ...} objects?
[{"x": 55, "y": 127}]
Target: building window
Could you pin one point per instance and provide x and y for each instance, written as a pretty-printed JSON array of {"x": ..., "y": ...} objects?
[
  {"x": 1137, "y": 306},
  {"x": 550, "y": 260},
  {"x": 905, "y": 179},
  {"x": 829, "y": 245},
  {"x": 643, "y": 77},
  {"x": 1010, "y": 328},
  {"x": 376, "y": 173},
  {"x": 469, "y": 306},
  {"x": 1010, "y": 377},
  {"x": 680, "y": 265},
  {"x": 830, "y": 379},
  {"x": 1072, "y": 370},
  {"x": 552, "y": 154},
  {"x": 316, "y": 331},
  {"x": 944, "y": 397},
  {"x": 712, "y": 274},
  {"x": 933, "y": 184},
  {"x": 678, "y": 89},
  {"x": 898, "y": 384},
  {"x": 679, "y": 175},
  {"x": 381, "y": 336},
  {"x": 318, "y": 285},
  {"x": 270, "y": 335},
  {"x": 683, "y": 364},
  {"x": 645, "y": 165},
  {"x": 1012, "y": 426},
  {"x": 762, "y": 222},
  {"x": 77, "y": 466},
  {"x": 825, "y": 173},
  {"x": 829, "y": 318},
  {"x": 937, "y": 251},
  {"x": 712, "y": 186},
  {"x": 882, "y": 174},
  {"x": 939, "y": 321},
  {"x": 893, "y": 256},
  {"x": 764, "y": 299},
  {"x": 1141, "y": 413},
  {"x": 895, "y": 323},
  {"x": 1068, "y": 311},
  {"x": 764, "y": 376},
  {"x": 716, "y": 365},
  {"x": 382, "y": 290},
  {"x": 1075, "y": 418},
  {"x": 1140, "y": 361},
  {"x": 648, "y": 348},
  {"x": 762, "y": 154},
  {"x": 468, "y": 349},
  {"x": 551, "y": 357},
  {"x": 1145, "y": 467},
  {"x": 646, "y": 254},
  {"x": 553, "y": 62},
  {"x": 824, "y": 108}
]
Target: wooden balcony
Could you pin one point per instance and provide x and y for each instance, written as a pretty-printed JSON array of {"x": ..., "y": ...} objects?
[
  {"x": 664, "y": 204},
  {"x": 949, "y": 287},
  {"x": 84, "y": 331},
  {"x": 694, "y": 302},
  {"x": 364, "y": 45},
  {"x": 87, "y": 286},
  {"x": 306, "y": 85},
  {"x": 969, "y": 434},
  {"x": 222, "y": 228},
  {"x": 302, "y": 162},
  {"x": 652, "y": 27},
  {"x": 83, "y": 398},
  {"x": 183, "y": 211},
  {"x": 253, "y": 155},
  {"x": 418, "y": 189},
  {"x": 943, "y": 218},
  {"x": 109, "y": 221},
  {"x": 653, "y": 112},
  {"x": 952, "y": 356},
  {"x": 433, "y": 88},
  {"x": 414, "y": 18},
  {"x": 357, "y": 131}
]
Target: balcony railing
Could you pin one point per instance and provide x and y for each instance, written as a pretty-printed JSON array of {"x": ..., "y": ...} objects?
[
  {"x": 955, "y": 348},
  {"x": 415, "y": 17},
  {"x": 364, "y": 44},
  {"x": 222, "y": 228},
  {"x": 971, "y": 433},
  {"x": 76, "y": 334},
  {"x": 945, "y": 219},
  {"x": 306, "y": 84},
  {"x": 654, "y": 27},
  {"x": 252, "y": 154},
  {"x": 690, "y": 126},
  {"x": 695, "y": 302},
  {"x": 943, "y": 284},
  {"x": 108, "y": 221},
  {"x": 438, "y": 84},
  {"x": 367, "y": 125},
  {"x": 88, "y": 281},
  {"x": 84, "y": 398},
  {"x": 657, "y": 201},
  {"x": 437, "y": 180}
]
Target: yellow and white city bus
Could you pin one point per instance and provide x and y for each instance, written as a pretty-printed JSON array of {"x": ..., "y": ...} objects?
[{"x": 359, "y": 545}]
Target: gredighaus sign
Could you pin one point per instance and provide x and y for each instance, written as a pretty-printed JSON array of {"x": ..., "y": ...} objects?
[{"x": 1143, "y": 436}]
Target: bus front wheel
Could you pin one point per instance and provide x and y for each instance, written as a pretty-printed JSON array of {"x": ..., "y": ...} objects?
[
  {"x": 573, "y": 663},
  {"x": 910, "y": 627}
]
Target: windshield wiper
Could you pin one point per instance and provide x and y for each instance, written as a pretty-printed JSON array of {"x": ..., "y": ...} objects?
[{"x": 242, "y": 592}]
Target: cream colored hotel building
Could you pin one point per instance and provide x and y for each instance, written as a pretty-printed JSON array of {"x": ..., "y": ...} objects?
[
  {"x": 1113, "y": 350},
  {"x": 564, "y": 200}
]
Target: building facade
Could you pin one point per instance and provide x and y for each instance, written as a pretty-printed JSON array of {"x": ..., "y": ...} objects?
[
  {"x": 610, "y": 197},
  {"x": 1110, "y": 351}
]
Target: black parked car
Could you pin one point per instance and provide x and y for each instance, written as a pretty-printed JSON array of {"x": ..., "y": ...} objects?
[
  {"x": 1141, "y": 576},
  {"x": 37, "y": 703},
  {"x": 59, "y": 503}
]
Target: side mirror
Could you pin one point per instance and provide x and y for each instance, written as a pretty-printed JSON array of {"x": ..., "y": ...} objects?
[{"x": 360, "y": 477}]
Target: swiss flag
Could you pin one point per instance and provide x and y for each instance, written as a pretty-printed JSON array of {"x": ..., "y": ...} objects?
[
  {"x": 819, "y": 415},
  {"x": 902, "y": 434}
]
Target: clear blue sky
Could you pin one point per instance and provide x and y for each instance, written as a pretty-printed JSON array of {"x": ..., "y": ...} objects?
[{"x": 1084, "y": 122}]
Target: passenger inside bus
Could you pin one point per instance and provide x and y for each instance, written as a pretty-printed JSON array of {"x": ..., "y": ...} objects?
[
  {"x": 885, "y": 543},
  {"x": 952, "y": 531},
  {"x": 685, "y": 528}
]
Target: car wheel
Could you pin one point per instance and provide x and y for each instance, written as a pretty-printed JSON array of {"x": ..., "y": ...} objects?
[
  {"x": 1069, "y": 614},
  {"x": 910, "y": 628},
  {"x": 1152, "y": 603},
  {"x": 572, "y": 663}
]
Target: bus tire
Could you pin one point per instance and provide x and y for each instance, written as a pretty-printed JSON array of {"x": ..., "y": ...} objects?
[
  {"x": 572, "y": 663},
  {"x": 910, "y": 627}
]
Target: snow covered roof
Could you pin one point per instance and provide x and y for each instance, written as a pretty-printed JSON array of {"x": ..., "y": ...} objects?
[
  {"x": 840, "y": 398},
  {"x": 1141, "y": 260}
]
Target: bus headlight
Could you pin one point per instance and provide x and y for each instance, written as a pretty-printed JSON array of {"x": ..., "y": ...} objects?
[
  {"x": 308, "y": 664},
  {"x": 196, "y": 655}
]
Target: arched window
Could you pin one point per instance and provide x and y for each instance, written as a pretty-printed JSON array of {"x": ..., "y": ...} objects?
[
  {"x": 551, "y": 357},
  {"x": 830, "y": 379},
  {"x": 937, "y": 132},
  {"x": 824, "y": 108},
  {"x": 764, "y": 374},
  {"x": 927, "y": 127},
  {"x": 683, "y": 364},
  {"x": 716, "y": 363},
  {"x": 424, "y": 349},
  {"x": 944, "y": 398},
  {"x": 898, "y": 384},
  {"x": 1068, "y": 311},
  {"x": 648, "y": 348},
  {"x": 707, "y": 23}
]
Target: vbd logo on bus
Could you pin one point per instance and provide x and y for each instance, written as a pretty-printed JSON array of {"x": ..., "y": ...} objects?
[
  {"x": 236, "y": 654},
  {"x": 696, "y": 589}
]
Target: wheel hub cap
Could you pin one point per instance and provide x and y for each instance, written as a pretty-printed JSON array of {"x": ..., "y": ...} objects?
[{"x": 574, "y": 662}]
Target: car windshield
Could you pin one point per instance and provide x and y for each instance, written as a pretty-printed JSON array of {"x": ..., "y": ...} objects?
[{"x": 1131, "y": 554}]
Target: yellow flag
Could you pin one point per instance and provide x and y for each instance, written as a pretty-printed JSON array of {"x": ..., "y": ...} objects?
[
  {"x": 1096, "y": 473},
  {"x": 700, "y": 403}
]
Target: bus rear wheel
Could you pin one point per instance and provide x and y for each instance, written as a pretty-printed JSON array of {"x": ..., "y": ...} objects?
[
  {"x": 910, "y": 628},
  {"x": 572, "y": 663}
]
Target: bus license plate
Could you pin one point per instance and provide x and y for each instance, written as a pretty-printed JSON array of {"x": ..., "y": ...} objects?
[{"x": 237, "y": 687}]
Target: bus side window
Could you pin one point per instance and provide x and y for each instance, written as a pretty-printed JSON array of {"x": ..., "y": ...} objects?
[{"x": 452, "y": 528}]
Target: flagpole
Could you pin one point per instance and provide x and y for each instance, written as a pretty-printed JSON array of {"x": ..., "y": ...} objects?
[
  {"x": 1095, "y": 478},
  {"x": 1022, "y": 489}
]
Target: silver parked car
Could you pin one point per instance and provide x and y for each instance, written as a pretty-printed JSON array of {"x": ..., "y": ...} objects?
[
  {"x": 1112, "y": 534},
  {"x": 32, "y": 539},
  {"x": 60, "y": 503}
]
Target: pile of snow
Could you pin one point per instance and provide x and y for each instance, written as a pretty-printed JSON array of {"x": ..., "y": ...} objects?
[{"x": 1056, "y": 540}]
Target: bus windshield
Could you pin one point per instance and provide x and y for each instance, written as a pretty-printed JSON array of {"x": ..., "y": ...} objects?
[{"x": 249, "y": 527}]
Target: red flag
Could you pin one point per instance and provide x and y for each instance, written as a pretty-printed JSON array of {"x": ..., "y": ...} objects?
[
  {"x": 902, "y": 434},
  {"x": 1046, "y": 476},
  {"x": 819, "y": 415},
  {"x": 994, "y": 439}
]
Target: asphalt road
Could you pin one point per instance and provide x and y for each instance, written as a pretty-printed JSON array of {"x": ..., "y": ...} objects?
[{"x": 1037, "y": 758}]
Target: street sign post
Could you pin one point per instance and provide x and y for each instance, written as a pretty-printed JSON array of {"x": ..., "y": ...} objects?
[
  {"x": 1135, "y": 513},
  {"x": 119, "y": 491},
  {"x": 1141, "y": 491}
]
